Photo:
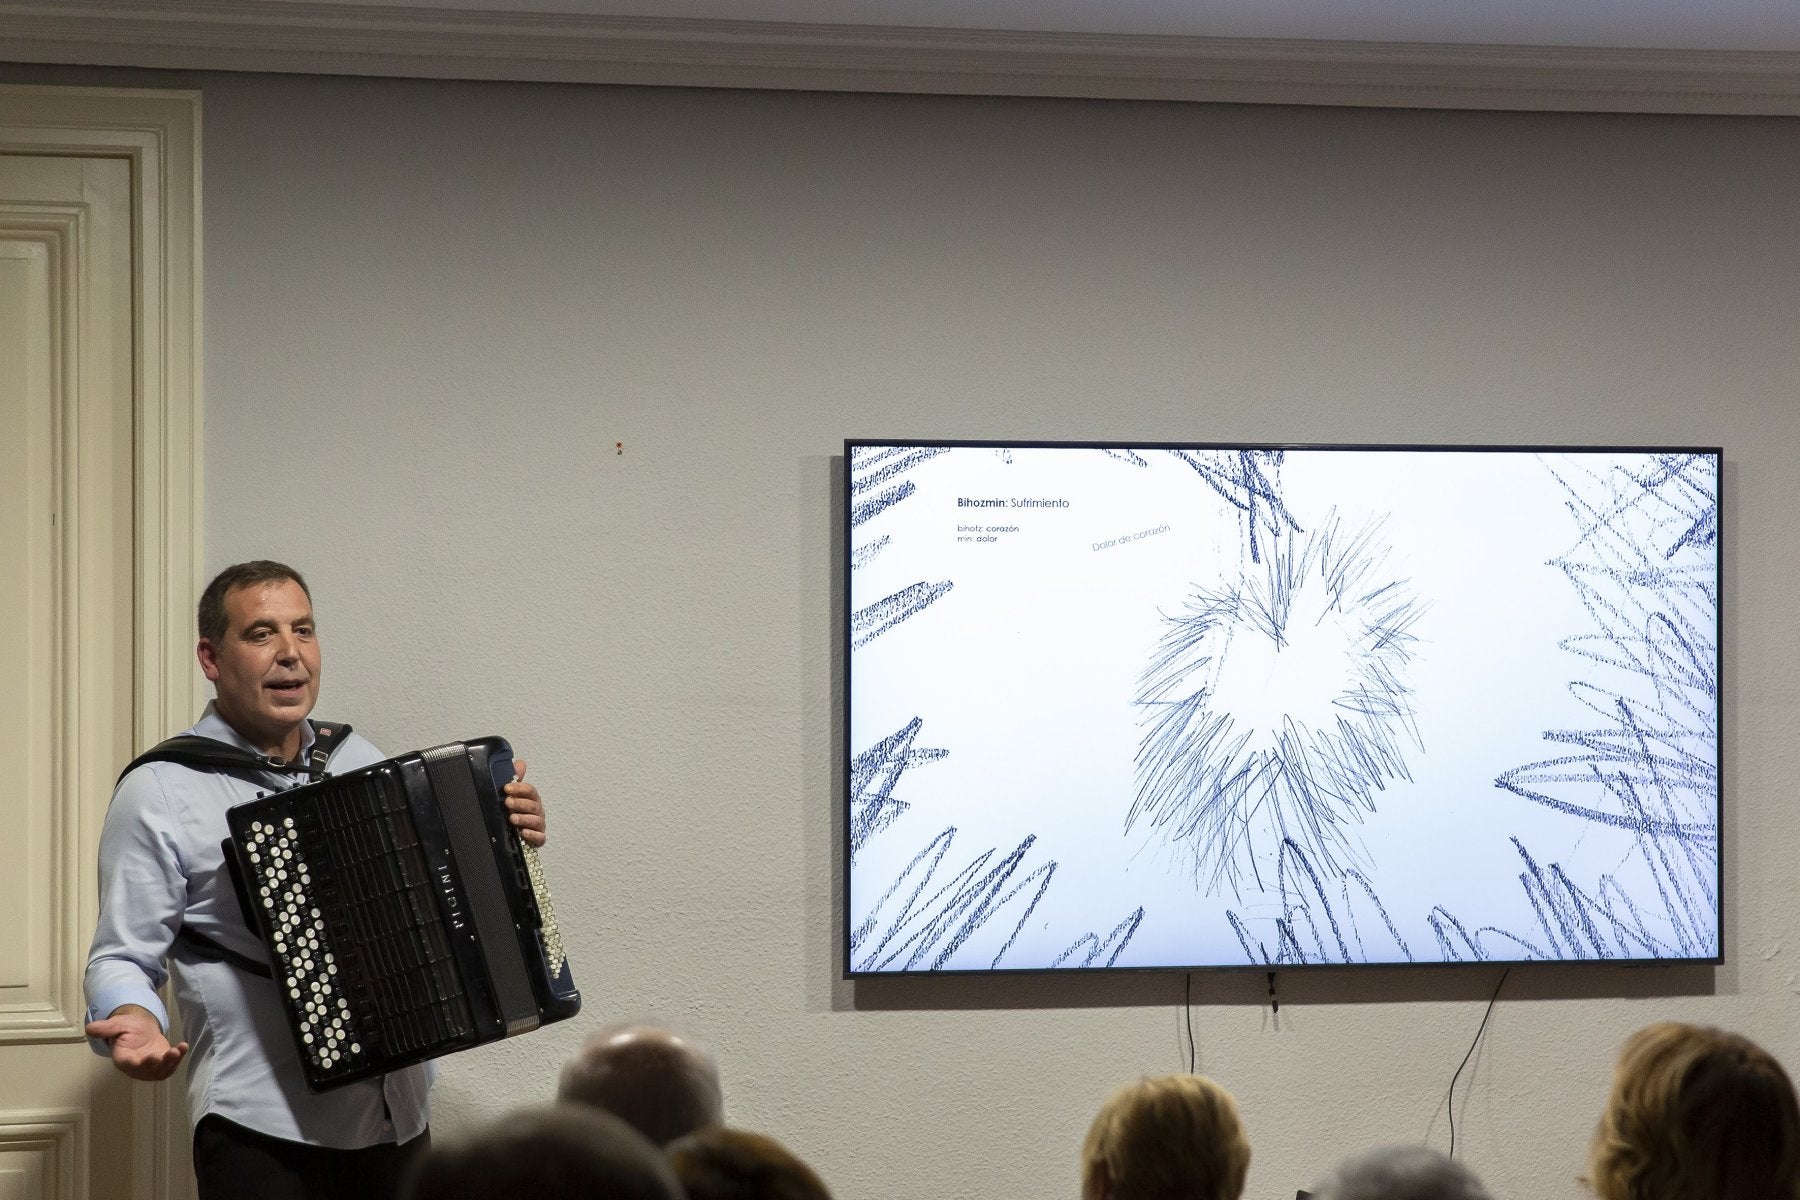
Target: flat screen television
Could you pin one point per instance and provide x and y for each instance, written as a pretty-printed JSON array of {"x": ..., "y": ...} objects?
[{"x": 1191, "y": 706}]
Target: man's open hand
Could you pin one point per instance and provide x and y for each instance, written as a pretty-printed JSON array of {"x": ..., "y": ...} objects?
[{"x": 138, "y": 1046}]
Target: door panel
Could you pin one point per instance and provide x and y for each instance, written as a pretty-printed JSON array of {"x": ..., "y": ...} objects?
[{"x": 66, "y": 653}]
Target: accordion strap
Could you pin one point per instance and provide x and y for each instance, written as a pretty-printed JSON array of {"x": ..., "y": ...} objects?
[
  {"x": 193, "y": 750},
  {"x": 203, "y": 947}
]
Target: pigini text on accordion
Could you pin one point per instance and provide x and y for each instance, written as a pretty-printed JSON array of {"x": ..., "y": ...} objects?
[{"x": 403, "y": 915}]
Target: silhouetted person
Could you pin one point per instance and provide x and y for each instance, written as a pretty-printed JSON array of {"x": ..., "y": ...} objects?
[
  {"x": 1401, "y": 1173},
  {"x": 556, "y": 1152},
  {"x": 661, "y": 1085},
  {"x": 1696, "y": 1114},
  {"x": 732, "y": 1164}
]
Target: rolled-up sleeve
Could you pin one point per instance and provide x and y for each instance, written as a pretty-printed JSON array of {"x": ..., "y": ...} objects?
[{"x": 143, "y": 896}]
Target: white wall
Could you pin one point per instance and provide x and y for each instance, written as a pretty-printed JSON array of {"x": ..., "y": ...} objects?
[{"x": 433, "y": 310}]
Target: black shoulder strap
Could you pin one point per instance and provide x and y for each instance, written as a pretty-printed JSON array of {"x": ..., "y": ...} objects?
[
  {"x": 327, "y": 737},
  {"x": 203, "y": 947},
  {"x": 193, "y": 750}
]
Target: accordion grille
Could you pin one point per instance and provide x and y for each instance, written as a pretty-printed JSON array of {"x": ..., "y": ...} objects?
[{"x": 357, "y": 937}]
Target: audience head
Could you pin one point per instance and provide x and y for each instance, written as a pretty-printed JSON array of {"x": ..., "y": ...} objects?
[
  {"x": 560, "y": 1151},
  {"x": 1401, "y": 1173},
  {"x": 1173, "y": 1137},
  {"x": 731, "y": 1164},
  {"x": 662, "y": 1086},
  {"x": 1697, "y": 1114}
]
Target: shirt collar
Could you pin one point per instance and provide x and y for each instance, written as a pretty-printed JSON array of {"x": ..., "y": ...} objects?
[{"x": 212, "y": 725}]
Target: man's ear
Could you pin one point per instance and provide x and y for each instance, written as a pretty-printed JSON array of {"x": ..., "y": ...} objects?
[{"x": 209, "y": 661}]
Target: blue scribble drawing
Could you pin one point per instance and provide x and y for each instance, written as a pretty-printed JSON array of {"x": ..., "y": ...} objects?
[
  {"x": 925, "y": 926},
  {"x": 921, "y": 921},
  {"x": 868, "y": 510},
  {"x": 870, "y": 468},
  {"x": 1644, "y": 566},
  {"x": 1248, "y": 480},
  {"x": 1308, "y": 915},
  {"x": 1092, "y": 948},
  {"x": 868, "y": 550},
  {"x": 1276, "y": 707},
  {"x": 1571, "y": 922},
  {"x": 873, "y": 777},
  {"x": 867, "y": 624}
]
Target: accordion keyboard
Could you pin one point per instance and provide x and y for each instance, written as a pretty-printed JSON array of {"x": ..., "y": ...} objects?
[{"x": 388, "y": 978}]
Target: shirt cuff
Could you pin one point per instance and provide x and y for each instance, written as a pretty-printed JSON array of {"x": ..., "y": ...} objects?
[{"x": 105, "y": 1000}]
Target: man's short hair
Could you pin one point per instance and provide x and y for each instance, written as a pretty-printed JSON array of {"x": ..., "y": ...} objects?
[
  {"x": 555, "y": 1151},
  {"x": 1402, "y": 1173},
  {"x": 211, "y": 619},
  {"x": 1164, "y": 1137},
  {"x": 733, "y": 1164},
  {"x": 1696, "y": 1113},
  {"x": 663, "y": 1086}
]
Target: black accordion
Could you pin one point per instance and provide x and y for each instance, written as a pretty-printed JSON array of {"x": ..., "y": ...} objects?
[{"x": 404, "y": 917}]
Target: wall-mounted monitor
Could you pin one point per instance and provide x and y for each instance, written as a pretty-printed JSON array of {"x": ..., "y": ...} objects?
[{"x": 1183, "y": 706}]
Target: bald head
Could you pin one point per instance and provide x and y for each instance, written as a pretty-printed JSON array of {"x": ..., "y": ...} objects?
[{"x": 661, "y": 1085}]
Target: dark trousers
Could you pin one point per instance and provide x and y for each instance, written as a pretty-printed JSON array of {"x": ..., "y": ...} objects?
[{"x": 234, "y": 1163}]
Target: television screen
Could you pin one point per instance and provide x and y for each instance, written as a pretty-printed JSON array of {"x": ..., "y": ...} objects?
[{"x": 1188, "y": 706}]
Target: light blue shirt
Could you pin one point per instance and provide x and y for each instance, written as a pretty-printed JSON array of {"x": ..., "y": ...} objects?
[{"x": 162, "y": 867}]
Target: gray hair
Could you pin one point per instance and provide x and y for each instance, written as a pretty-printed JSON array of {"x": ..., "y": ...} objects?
[{"x": 1401, "y": 1173}]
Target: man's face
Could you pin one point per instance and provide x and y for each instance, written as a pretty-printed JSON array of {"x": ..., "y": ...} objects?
[{"x": 266, "y": 668}]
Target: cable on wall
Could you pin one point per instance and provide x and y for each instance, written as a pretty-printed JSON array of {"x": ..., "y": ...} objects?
[
  {"x": 1188, "y": 1004},
  {"x": 1450, "y": 1099}
]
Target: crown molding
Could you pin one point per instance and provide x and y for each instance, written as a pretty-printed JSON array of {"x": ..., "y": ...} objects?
[{"x": 375, "y": 39}]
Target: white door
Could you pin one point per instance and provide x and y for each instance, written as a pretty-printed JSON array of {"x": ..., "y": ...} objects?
[
  {"x": 73, "y": 649},
  {"x": 65, "y": 648}
]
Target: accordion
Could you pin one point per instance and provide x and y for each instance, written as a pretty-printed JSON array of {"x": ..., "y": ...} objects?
[{"x": 404, "y": 917}]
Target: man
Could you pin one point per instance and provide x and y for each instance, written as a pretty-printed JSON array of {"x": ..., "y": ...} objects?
[
  {"x": 557, "y": 1152},
  {"x": 1171, "y": 1137},
  {"x": 258, "y": 1130},
  {"x": 662, "y": 1086}
]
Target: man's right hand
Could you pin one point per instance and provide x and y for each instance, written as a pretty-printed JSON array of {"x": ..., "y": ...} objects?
[{"x": 138, "y": 1046}]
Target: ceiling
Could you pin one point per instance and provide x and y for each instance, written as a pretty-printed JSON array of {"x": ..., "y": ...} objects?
[{"x": 1717, "y": 56}]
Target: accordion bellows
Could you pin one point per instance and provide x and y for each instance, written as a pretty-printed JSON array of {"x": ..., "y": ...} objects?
[{"x": 404, "y": 917}]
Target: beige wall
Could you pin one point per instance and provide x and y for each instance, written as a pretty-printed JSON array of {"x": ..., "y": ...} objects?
[{"x": 434, "y": 309}]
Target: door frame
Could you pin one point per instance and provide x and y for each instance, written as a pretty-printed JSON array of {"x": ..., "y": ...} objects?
[{"x": 158, "y": 133}]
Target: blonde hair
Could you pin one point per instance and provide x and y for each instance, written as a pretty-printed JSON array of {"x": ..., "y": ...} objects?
[
  {"x": 1697, "y": 1114},
  {"x": 1171, "y": 1137}
]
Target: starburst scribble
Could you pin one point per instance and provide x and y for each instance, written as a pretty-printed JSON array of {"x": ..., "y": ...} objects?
[{"x": 1276, "y": 707}]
